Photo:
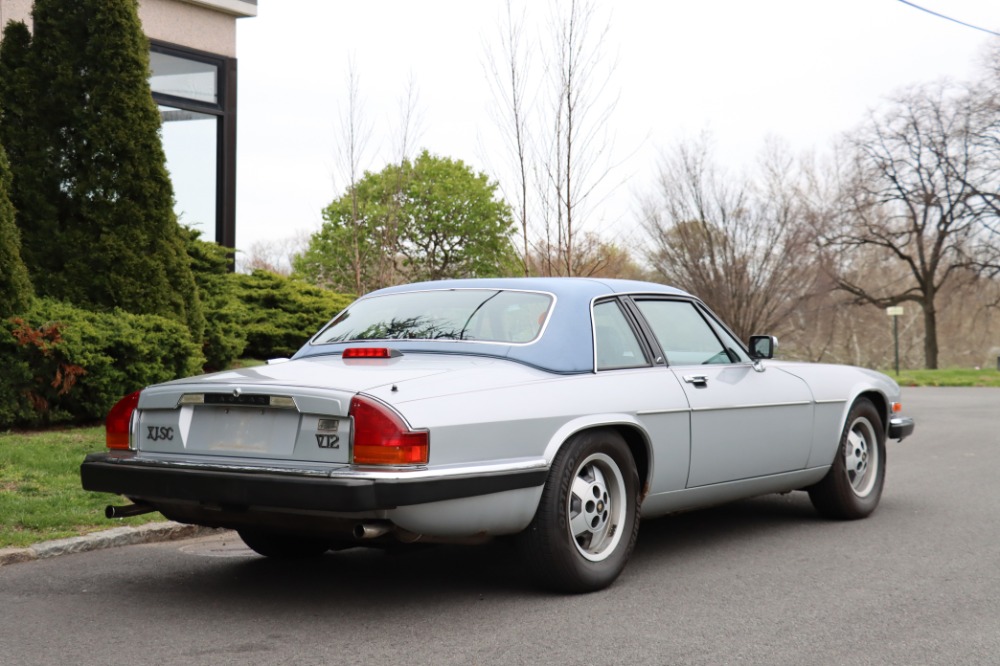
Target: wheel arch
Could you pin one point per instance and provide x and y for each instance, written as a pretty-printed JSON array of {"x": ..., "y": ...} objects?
[
  {"x": 881, "y": 405},
  {"x": 635, "y": 436},
  {"x": 638, "y": 445}
]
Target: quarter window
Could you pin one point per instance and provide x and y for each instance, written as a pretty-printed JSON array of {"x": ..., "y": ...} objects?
[{"x": 614, "y": 340}]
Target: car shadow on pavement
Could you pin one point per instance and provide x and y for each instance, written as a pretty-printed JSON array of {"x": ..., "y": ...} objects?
[
  {"x": 389, "y": 575},
  {"x": 686, "y": 534},
  {"x": 449, "y": 572}
]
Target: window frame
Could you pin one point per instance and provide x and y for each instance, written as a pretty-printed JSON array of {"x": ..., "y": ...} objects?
[
  {"x": 225, "y": 145},
  {"x": 717, "y": 328},
  {"x": 315, "y": 340},
  {"x": 635, "y": 325}
]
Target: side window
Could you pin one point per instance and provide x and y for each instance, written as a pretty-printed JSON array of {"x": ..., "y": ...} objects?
[
  {"x": 684, "y": 335},
  {"x": 735, "y": 350},
  {"x": 615, "y": 341}
]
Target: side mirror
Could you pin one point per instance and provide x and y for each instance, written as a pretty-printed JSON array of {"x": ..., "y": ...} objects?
[{"x": 762, "y": 346}]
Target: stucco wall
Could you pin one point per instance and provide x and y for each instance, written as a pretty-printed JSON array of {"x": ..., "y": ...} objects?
[
  {"x": 172, "y": 21},
  {"x": 189, "y": 25},
  {"x": 15, "y": 10},
  {"x": 238, "y": 7}
]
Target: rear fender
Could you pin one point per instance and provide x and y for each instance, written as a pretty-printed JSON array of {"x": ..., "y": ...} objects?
[{"x": 632, "y": 430}]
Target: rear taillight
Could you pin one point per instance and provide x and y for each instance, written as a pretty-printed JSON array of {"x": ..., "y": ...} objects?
[
  {"x": 117, "y": 425},
  {"x": 381, "y": 437}
]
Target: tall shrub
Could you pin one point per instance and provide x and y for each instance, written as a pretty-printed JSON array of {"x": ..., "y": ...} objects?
[
  {"x": 116, "y": 241},
  {"x": 15, "y": 288},
  {"x": 33, "y": 192}
]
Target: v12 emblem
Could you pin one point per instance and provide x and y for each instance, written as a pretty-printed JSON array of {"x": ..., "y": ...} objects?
[{"x": 328, "y": 441}]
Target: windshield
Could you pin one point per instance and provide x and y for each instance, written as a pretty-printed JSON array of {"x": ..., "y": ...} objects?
[{"x": 485, "y": 315}]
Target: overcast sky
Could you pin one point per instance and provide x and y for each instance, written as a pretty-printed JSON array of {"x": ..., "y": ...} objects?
[{"x": 801, "y": 70}]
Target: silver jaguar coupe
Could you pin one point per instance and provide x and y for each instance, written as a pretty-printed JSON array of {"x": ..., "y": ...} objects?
[{"x": 554, "y": 410}]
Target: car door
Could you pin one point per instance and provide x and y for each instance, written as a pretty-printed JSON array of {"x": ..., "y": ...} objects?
[{"x": 747, "y": 420}]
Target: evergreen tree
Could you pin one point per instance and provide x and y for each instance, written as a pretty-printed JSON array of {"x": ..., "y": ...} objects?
[
  {"x": 116, "y": 242},
  {"x": 15, "y": 289},
  {"x": 22, "y": 133}
]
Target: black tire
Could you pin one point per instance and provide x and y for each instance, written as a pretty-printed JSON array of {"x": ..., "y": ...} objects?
[
  {"x": 853, "y": 486},
  {"x": 588, "y": 517},
  {"x": 282, "y": 546}
]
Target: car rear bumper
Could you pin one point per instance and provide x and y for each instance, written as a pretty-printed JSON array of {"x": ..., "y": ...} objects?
[
  {"x": 299, "y": 489},
  {"x": 900, "y": 427}
]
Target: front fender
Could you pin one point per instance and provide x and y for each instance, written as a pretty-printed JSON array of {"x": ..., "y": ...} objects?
[{"x": 835, "y": 389}]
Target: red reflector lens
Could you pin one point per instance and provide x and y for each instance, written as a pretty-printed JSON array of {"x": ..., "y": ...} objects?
[
  {"x": 371, "y": 352},
  {"x": 381, "y": 437},
  {"x": 116, "y": 426}
]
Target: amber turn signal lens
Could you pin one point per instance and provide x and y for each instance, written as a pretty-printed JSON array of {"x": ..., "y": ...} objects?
[
  {"x": 381, "y": 437},
  {"x": 897, "y": 407}
]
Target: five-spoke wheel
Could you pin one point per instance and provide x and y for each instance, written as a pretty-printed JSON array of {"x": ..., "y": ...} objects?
[
  {"x": 596, "y": 507},
  {"x": 861, "y": 457},
  {"x": 588, "y": 517},
  {"x": 853, "y": 486}
]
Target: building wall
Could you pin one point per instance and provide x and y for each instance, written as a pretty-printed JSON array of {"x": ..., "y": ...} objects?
[
  {"x": 189, "y": 25},
  {"x": 206, "y": 25},
  {"x": 15, "y": 10},
  {"x": 191, "y": 39}
]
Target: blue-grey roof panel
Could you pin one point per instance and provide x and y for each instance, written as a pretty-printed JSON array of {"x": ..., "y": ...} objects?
[{"x": 565, "y": 346}]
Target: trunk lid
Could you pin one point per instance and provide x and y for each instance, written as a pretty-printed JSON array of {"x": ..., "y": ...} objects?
[{"x": 291, "y": 411}]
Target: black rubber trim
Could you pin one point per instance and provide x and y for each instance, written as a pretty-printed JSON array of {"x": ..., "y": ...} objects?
[
  {"x": 900, "y": 427},
  {"x": 151, "y": 483}
]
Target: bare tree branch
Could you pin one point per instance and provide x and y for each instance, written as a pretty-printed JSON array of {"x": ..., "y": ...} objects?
[{"x": 916, "y": 195}]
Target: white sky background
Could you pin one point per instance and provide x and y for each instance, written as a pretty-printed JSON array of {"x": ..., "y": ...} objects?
[{"x": 800, "y": 70}]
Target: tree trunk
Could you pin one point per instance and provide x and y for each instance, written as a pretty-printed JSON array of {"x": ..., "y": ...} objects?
[{"x": 930, "y": 334}]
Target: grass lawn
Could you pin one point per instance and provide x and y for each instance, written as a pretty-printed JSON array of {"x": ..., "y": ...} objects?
[
  {"x": 40, "y": 493},
  {"x": 947, "y": 377}
]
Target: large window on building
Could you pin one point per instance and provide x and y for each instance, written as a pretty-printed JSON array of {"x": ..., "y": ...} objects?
[{"x": 196, "y": 95}]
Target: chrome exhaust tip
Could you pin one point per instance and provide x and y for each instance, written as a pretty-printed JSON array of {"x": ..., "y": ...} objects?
[
  {"x": 126, "y": 511},
  {"x": 364, "y": 531}
]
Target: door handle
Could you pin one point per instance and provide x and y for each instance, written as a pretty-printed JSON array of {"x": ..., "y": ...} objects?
[{"x": 697, "y": 380}]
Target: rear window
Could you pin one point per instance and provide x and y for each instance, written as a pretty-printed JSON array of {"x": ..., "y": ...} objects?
[{"x": 484, "y": 315}]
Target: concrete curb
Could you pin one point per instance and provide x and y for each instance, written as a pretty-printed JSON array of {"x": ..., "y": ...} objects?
[{"x": 119, "y": 536}]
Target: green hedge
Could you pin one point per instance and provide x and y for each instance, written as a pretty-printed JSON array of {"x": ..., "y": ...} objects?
[
  {"x": 261, "y": 315},
  {"x": 64, "y": 364},
  {"x": 226, "y": 317},
  {"x": 283, "y": 312}
]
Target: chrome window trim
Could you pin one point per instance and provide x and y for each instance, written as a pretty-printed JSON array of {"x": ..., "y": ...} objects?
[
  {"x": 639, "y": 335},
  {"x": 652, "y": 412},
  {"x": 797, "y": 403}
]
